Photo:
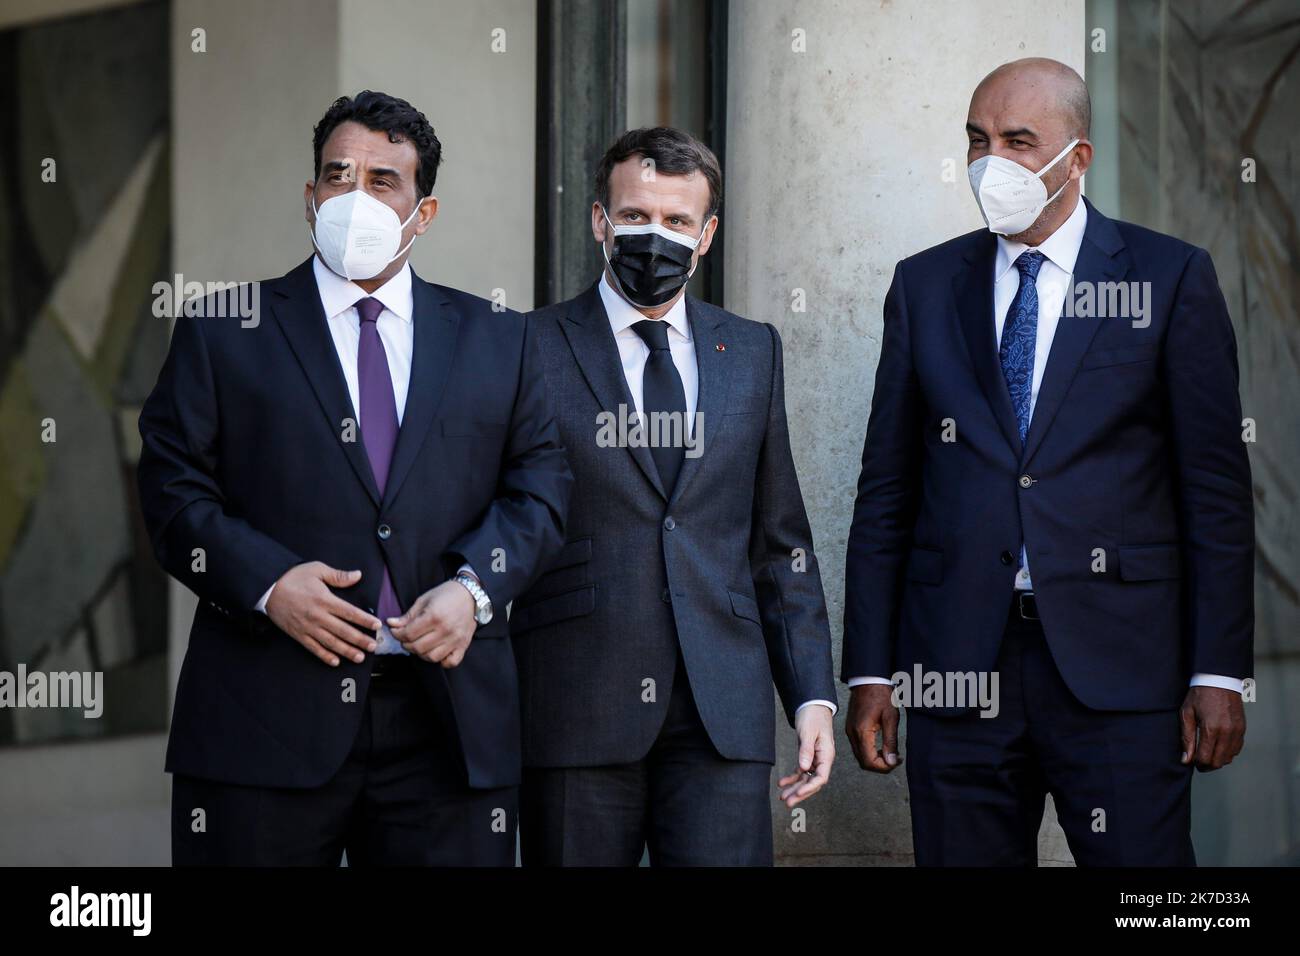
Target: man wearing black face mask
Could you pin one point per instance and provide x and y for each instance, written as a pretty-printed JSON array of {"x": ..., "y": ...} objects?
[{"x": 687, "y": 585}]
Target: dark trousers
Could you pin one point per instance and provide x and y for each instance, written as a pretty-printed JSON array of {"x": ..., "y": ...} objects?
[
  {"x": 683, "y": 801},
  {"x": 978, "y": 784},
  {"x": 400, "y": 799}
]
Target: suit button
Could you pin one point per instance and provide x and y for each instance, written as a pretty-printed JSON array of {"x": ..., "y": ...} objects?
[
  {"x": 666, "y": 597},
  {"x": 669, "y": 523},
  {"x": 384, "y": 532},
  {"x": 1026, "y": 481},
  {"x": 1006, "y": 557}
]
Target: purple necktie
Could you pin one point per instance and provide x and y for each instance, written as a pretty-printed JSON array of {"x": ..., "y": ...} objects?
[{"x": 378, "y": 420}]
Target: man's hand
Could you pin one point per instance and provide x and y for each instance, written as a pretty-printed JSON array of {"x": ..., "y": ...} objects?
[
  {"x": 303, "y": 606},
  {"x": 1214, "y": 727},
  {"x": 439, "y": 625},
  {"x": 872, "y": 711},
  {"x": 816, "y": 732}
]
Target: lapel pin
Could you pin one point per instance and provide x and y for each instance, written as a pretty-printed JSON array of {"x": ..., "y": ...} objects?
[{"x": 720, "y": 347}]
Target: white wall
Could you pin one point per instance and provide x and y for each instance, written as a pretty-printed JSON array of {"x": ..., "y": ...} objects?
[{"x": 482, "y": 104}]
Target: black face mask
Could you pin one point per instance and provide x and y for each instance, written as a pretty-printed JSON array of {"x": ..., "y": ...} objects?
[{"x": 649, "y": 267}]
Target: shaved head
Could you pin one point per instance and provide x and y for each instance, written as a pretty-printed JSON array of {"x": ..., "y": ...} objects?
[{"x": 1050, "y": 80}]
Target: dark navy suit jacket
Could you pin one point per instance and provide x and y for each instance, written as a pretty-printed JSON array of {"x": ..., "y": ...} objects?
[
  {"x": 1134, "y": 455},
  {"x": 245, "y": 457}
]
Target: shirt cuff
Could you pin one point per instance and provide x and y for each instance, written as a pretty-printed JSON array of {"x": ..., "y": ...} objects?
[
  {"x": 1216, "y": 680},
  {"x": 855, "y": 681},
  {"x": 261, "y": 605},
  {"x": 824, "y": 703}
]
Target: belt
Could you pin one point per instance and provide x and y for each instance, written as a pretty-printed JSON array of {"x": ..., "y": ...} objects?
[
  {"x": 392, "y": 665},
  {"x": 1026, "y": 606}
]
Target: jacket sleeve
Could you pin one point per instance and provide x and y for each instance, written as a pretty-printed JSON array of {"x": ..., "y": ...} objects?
[
  {"x": 218, "y": 556},
  {"x": 523, "y": 529},
  {"x": 1215, "y": 496},
  {"x": 787, "y": 581},
  {"x": 885, "y": 509}
]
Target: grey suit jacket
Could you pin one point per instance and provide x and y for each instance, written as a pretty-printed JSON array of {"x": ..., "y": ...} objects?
[{"x": 722, "y": 566}]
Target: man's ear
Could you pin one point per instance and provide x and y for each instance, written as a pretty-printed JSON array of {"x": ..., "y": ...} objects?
[
  {"x": 598, "y": 225},
  {"x": 428, "y": 210},
  {"x": 1082, "y": 158},
  {"x": 306, "y": 199},
  {"x": 709, "y": 229}
]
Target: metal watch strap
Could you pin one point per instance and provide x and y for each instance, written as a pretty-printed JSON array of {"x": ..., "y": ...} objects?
[{"x": 482, "y": 603}]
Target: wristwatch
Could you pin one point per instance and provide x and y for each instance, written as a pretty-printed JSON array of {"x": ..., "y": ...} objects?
[{"x": 482, "y": 603}]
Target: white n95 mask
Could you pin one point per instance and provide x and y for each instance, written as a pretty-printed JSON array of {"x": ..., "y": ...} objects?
[
  {"x": 356, "y": 235},
  {"x": 1011, "y": 197}
]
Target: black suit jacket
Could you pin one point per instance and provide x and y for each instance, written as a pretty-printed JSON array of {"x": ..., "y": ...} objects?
[
  {"x": 245, "y": 457},
  {"x": 713, "y": 567},
  {"x": 1134, "y": 456}
]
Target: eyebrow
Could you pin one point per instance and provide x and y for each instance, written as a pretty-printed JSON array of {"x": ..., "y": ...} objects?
[
  {"x": 337, "y": 165},
  {"x": 683, "y": 216},
  {"x": 1005, "y": 134}
]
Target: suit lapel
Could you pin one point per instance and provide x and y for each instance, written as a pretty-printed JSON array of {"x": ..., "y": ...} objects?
[
  {"x": 973, "y": 289},
  {"x": 586, "y": 327},
  {"x": 298, "y": 310},
  {"x": 1100, "y": 260},
  {"x": 715, "y": 386},
  {"x": 437, "y": 325}
]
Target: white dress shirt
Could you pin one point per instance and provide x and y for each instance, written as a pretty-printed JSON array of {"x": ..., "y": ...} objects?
[
  {"x": 396, "y": 328},
  {"x": 1055, "y": 277},
  {"x": 633, "y": 352}
]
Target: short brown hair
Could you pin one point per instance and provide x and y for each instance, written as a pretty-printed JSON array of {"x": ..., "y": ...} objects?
[{"x": 672, "y": 151}]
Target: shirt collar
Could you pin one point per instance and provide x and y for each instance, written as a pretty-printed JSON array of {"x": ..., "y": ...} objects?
[
  {"x": 622, "y": 314},
  {"x": 1061, "y": 247},
  {"x": 338, "y": 294}
]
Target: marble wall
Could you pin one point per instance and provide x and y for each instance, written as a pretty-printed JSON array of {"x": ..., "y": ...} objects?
[
  {"x": 84, "y": 233},
  {"x": 1208, "y": 144}
]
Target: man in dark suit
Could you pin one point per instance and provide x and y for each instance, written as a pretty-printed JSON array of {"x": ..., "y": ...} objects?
[
  {"x": 687, "y": 585},
  {"x": 355, "y": 486},
  {"x": 1055, "y": 492}
]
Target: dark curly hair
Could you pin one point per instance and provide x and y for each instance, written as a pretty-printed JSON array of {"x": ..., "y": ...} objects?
[{"x": 385, "y": 114}]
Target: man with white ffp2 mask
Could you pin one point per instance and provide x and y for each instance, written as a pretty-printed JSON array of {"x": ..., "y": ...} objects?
[
  {"x": 358, "y": 236},
  {"x": 1082, "y": 531},
  {"x": 353, "y": 471}
]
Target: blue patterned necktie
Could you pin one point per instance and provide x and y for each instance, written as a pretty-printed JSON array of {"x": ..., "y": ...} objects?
[{"x": 1019, "y": 335}]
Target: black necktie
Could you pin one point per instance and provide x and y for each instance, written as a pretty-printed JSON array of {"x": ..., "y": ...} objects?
[{"x": 662, "y": 391}]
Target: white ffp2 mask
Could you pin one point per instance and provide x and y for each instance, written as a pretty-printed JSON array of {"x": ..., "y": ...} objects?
[
  {"x": 1011, "y": 197},
  {"x": 356, "y": 235}
]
